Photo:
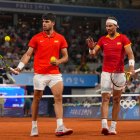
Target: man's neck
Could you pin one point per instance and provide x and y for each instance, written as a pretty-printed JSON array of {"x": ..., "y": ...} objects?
[
  {"x": 49, "y": 33},
  {"x": 113, "y": 35}
]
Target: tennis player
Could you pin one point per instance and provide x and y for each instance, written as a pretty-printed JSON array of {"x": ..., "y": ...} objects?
[
  {"x": 44, "y": 45},
  {"x": 114, "y": 46}
]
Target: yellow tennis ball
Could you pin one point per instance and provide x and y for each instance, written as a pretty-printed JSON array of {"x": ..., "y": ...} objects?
[
  {"x": 53, "y": 59},
  {"x": 7, "y": 38}
]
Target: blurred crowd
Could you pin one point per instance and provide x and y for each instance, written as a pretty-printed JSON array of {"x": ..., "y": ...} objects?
[
  {"x": 75, "y": 34},
  {"x": 79, "y": 59}
]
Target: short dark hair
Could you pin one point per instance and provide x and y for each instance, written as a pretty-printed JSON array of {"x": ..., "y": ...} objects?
[
  {"x": 49, "y": 16},
  {"x": 114, "y": 18}
]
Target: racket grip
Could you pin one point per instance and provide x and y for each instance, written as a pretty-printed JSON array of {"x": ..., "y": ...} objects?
[{"x": 13, "y": 71}]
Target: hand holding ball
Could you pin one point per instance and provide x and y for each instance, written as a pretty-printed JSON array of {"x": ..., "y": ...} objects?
[
  {"x": 7, "y": 38},
  {"x": 53, "y": 59}
]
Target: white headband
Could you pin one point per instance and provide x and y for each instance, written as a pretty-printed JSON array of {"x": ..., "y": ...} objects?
[{"x": 112, "y": 21}]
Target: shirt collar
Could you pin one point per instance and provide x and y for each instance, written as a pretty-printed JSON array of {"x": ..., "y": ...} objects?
[
  {"x": 51, "y": 36},
  {"x": 117, "y": 34}
]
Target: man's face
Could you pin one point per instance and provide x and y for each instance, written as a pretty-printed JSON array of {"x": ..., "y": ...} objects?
[
  {"x": 111, "y": 28},
  {"x": 47, "y": 25}
]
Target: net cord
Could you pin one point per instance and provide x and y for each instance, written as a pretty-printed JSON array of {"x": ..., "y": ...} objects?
[{"x": 66, "y": 96}]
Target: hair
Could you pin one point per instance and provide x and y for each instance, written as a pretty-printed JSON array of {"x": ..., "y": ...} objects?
[
  {"x": 114, "y": 18},
  {"x": 49, "y": 16}
]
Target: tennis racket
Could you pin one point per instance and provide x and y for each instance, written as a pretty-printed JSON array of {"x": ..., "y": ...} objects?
[
  {"x": 121, "y": 79},
  {"x": 5, "y": 66}
]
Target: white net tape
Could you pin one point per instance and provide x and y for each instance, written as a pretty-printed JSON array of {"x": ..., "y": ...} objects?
[{"x": 66, "y": 96}]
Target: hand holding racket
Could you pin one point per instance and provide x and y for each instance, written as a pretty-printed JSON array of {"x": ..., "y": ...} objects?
[
  {"x": 90, "y": 42},
  {"x": 130, "y": 74},
  {"x": 14, "y": 71},
  {"x": 5, "y": 66}
]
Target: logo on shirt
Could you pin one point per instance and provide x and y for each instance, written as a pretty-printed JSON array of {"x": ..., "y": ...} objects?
[
  {"x": 105, "y": 43},
  {"x": 56, "y": 41},
  {"x": 119, "y": 43},
  {"x": 41, "y": 40}
]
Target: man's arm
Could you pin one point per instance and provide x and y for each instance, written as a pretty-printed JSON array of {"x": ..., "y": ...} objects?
[
  {"x": 93, "y": 47},
  {"x": 25, "y": 58},
  {"x": 63, "y": 59},
  {"x": 131, "y": 58}
]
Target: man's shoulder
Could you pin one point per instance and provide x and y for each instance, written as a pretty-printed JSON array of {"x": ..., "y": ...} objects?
[
  {"x": 123, "y": 35},
  {"x": 103, "y": 37},
  {"x": 38, "y": 34},
  {"x": 59, "y": 35}
]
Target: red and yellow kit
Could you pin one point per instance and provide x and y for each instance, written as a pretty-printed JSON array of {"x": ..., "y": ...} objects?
[
  {"x": 113, "y": 52},
  {"x": 44, "y": 48}
]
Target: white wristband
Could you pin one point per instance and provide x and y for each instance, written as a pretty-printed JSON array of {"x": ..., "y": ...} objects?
[
  {"x": 131, "y": 62},
  {"x": 21, "y": 65},
  {"x": 91, "y": 51}
]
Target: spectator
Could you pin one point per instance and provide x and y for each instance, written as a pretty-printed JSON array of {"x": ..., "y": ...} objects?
[{"x": 2, "y": 101}]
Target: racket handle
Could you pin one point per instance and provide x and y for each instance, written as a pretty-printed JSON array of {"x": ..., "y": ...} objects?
[
  {"x": 137, "y": 70},
  {"x": 13, "y": 71}
]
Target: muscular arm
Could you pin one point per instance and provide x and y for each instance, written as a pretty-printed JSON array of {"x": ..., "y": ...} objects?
[
  {"x": 130, "y": 55},
  {"x": 129, "y": 52},
  {"x": 64, "y": 57},
  {"x": 26, "y": 57},
  {"x": 24, "y": 60}
]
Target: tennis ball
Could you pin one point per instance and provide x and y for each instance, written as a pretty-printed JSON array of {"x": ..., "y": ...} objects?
[
  {"x": 53, "y": 59},
  {"x": 7, "y": 38}
]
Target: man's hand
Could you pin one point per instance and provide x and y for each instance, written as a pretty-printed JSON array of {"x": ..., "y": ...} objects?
[
  {"x": 16, "y": 71},
  {"x": 90, "y": 42},
  {"x": 130, "y": 74},
  {"x": 55, "y": 62},
  {"x": 131, "y": 70}
]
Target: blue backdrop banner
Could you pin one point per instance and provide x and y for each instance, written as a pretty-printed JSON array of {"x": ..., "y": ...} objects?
[
  {"x": 70, "y": 80},
  {"x": 94, "y": 112}
]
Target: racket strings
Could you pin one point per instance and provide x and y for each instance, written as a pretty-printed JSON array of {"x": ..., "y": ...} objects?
[
  {"x": 3, "y": 64},
  {"x": 118, "y": 80}
]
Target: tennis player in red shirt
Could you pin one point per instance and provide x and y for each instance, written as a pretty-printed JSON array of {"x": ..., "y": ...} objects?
[
  {"x": 114, "y": 46},
  {"x": 44, "y": 45}
]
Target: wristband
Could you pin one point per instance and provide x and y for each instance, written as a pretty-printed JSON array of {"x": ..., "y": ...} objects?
[
  {"x": 91, "y": 51},
  {"x": 131, "y": 62},
  {"x": 21, "y": 65}
]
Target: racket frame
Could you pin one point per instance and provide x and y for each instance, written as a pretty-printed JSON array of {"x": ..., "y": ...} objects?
[{"x": 126, "y": 75}]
